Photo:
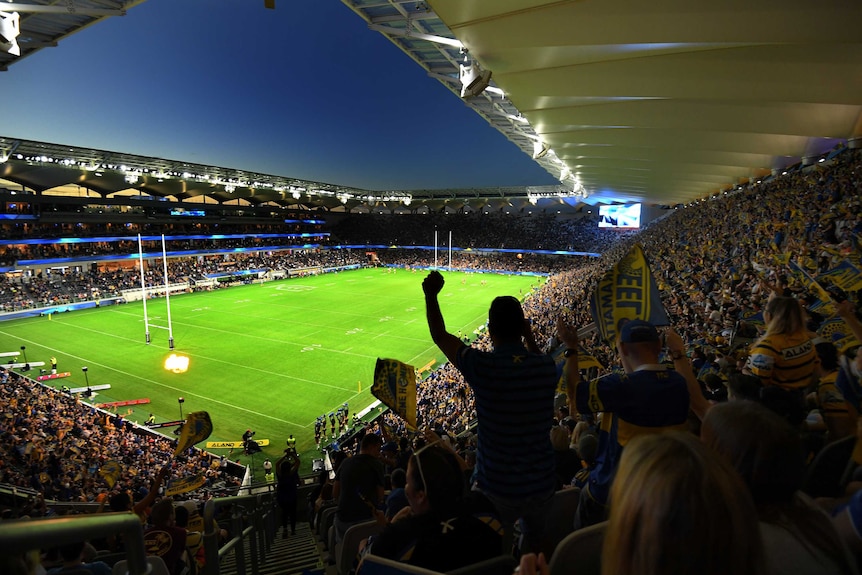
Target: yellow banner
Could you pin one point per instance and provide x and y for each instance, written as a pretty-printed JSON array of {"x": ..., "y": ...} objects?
[
  {"x": 627, "y": 291},
  {"x": 185, "y": 484},
  {"x": 196, "y": 428},
  {"x": 110, "y": 471},
  {"x": 395, "y": 385},
  {"x": 233, "y": 444}
]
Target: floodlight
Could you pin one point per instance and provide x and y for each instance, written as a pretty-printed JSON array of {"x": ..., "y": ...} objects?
[
  {"x": 540, "y": 149},
  {"x": 474, "y": 80},
  {"x": 9, "y": 30}
]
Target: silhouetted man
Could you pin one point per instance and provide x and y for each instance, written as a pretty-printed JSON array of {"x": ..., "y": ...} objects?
[{"x": 514, "y": 387}]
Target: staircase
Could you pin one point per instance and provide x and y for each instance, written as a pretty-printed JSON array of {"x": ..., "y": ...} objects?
[{"x": 295, "y": 554}]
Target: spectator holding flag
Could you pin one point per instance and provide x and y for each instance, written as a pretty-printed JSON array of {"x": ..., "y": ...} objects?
[{"x": 647, "y": 398}]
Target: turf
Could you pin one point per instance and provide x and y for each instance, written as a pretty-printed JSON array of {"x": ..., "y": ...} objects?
[{"x": 270, "y": 357}]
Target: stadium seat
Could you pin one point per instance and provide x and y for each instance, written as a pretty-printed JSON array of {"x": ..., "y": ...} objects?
[
  {"x": 156, "y": 566},
  {"x": 580, "y": 552},
  {"x": 326, "y": 521},
  {"x": 374, "y": 565},
  {"x": 502, "y": 565},
  {"x": 347, "y": 549},
  {"x": 561, "y": 516},
  {"x": 825, "y": 475}
]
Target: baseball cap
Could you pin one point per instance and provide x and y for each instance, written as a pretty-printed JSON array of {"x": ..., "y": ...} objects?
[{"x": 638, "y": 331}]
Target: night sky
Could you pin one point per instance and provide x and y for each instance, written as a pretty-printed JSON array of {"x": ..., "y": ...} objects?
[{"x": 305, "y": 90}]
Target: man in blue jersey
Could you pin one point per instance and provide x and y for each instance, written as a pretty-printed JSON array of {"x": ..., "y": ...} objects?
[
  {"x": 514, "y": 387},
  {"x": 647, "y": 398}
]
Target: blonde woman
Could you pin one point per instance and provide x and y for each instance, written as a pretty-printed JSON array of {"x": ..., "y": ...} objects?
[
  {"x": 784, "y": 359},
  {"x": 677, "y": 508},
  {"x": 785, "y": 356}
]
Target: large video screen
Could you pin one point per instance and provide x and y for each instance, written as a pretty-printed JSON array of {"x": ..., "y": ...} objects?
[{"x": 627, "y": 216}]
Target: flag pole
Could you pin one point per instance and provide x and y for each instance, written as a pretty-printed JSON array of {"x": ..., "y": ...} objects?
[
  {"x": 450, "y": 250},
  {"x": 144, "y": 289},
  {"x": 167, "y": 295}
]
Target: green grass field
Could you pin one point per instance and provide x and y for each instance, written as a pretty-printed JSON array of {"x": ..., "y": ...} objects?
[{"x": 271, "y": 357}]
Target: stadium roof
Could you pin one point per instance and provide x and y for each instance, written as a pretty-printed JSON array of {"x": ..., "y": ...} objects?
[
  {"x": 661, "y": 102},
  {"x": 43, "y": 23},
  {"x": 59, "y": 168}
]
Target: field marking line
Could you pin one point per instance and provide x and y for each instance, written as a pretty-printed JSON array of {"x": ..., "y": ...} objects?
[
  {"x": 215, "y": 359},
  {"x": 267, "y": 339},
  {"x": 183, "y": 391},
  {"x": 320, "y": 328}
]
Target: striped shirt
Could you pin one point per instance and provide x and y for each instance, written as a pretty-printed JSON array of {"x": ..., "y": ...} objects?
[
  {"x": 787, "y": 361},
  {"x": 514, "y": 392}
]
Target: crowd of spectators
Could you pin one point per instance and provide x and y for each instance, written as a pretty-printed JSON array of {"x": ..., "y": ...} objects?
[
  {"x": 31, "y": 229},
  {"x": 713, "y": 271},
  {"x": 477, "y": 229},
  {"x": 717, "y": 262},
  {"x": 61, "y": 288},
  {"x": 55, "y": 445}
]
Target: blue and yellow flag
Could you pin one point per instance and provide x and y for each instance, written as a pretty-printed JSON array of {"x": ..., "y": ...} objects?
[
  {"x": 395, "y": 386},
  {"x": 845, "y": 275},
  {"x": 185, "y": 484},
  {"x": 197, "y": 427},
  {"x": 110, "y": 471},
  {"x": 753, "y": 317},
  {"x": 836, "y": 331},
  {"x": 585, "y": 361},
  {"x": 627, "y": 291},
  {"x": 814, "y": 288}
]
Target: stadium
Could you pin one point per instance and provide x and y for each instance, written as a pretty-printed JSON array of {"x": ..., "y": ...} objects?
[{"x": 207, "y": 346}]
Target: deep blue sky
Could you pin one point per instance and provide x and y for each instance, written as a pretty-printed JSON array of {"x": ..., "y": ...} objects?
[{"x": 306, "y": 91}]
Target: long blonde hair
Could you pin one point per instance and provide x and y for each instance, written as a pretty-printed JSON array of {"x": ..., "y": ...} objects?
[
  {"x": 678, "y": 509},
  {"x": 786, "y": 316}
]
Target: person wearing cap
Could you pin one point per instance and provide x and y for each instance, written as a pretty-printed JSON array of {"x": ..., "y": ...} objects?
[
  {"x": 514, "y": 387},
  {"x": 647, "y": 398}
]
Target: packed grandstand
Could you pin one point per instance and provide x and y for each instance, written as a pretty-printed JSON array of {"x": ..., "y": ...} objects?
[{"x": 717, "y": 262}]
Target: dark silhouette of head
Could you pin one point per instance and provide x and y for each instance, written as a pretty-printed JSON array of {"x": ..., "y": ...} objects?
[{"x": 505, "y": 319}]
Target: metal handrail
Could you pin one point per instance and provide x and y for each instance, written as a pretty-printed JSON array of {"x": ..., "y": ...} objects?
[
  {"x": 25, "y": 534},
  {"x": 252, "y": 524}
]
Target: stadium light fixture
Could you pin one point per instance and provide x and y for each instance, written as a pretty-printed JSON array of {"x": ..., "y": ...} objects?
[
  {"x": 540, "y": 149},
  {"x": 10, "y": 28},
  {"x": 474, "y": 80}
]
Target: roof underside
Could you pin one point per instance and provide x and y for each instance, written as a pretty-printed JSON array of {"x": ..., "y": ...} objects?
[
  {"x": 662, "y": 102},
  {"x": 43, "y": 23}
]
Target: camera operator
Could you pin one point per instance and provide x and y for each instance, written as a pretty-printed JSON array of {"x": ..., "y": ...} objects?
[{"x": 246, "y": 437}]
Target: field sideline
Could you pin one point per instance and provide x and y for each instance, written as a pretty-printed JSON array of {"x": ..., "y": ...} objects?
[{"x": 270, "y": 357}]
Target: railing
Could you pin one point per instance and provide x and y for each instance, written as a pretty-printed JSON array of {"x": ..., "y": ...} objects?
[
  {"x": 24, "y": 534},
  {"x": 252, "y": 525}
]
